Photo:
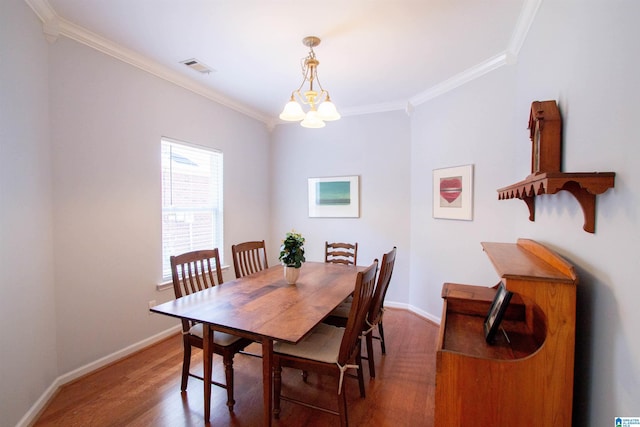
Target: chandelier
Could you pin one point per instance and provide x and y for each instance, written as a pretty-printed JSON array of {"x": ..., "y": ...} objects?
[{"x": 321, "y": 109}]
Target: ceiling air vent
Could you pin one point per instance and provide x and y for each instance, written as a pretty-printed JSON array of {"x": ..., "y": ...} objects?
[{"x": 197, "y": 65}]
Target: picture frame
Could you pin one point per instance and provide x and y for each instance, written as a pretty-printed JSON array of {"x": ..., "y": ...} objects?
[
  {"x": 334, "y": 197},
  {"x": 496, "y": 312},
  {"x": 453, "y": 193}
]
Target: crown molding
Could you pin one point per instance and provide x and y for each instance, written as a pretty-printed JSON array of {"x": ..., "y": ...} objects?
[
  {"x": 508, "y": 57},
  {"x": 460, "y": 79},
  {"x": 373, "y": 108},
  {"x": 42, "y": 9},
  {"x": 53, "y": 26},
  {"x": 365, "y": 109},
  {"x": 519, "y": 35},
  {"x": 80, "y": 34}
]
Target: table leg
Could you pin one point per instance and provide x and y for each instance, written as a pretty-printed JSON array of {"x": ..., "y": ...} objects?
[
  {"x": 267, "y": 380},
  {"x": 207, "y": 346}
]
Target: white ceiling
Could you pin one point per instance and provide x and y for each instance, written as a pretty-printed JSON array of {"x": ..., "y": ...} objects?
[{"x": 375, "y": 55}]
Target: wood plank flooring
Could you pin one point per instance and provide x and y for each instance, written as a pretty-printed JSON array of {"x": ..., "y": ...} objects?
[{"x": 144, "y": 389}]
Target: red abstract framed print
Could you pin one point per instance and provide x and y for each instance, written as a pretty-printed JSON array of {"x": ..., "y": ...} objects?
[{"x": 453, "y": 193}]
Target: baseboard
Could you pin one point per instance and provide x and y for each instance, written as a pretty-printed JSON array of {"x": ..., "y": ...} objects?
[
  {"x": 414, "y": 310},
  {"x": 40, "y": 404}
]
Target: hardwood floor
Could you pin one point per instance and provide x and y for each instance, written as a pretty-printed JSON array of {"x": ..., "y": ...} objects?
[{"x": 144, "y": 389}]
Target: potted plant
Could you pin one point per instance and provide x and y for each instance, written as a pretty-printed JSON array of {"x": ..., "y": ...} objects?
[{"x": 292, "y": 255}]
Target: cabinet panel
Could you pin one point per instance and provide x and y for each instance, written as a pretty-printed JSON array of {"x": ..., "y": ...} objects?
[{"x": 526, "y": 377}]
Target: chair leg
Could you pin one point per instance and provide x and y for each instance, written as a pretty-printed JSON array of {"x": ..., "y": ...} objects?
[
  {"x": 228, "y": 372},
  {"x": 342, "y": 408},
  {"x": 277, "y": 387},
  {"x": 381, "y": 331},
  {"x": 370, "y": 360},
  {"x": 186, "y": 363},
  {"x": 360, "y": 376}
]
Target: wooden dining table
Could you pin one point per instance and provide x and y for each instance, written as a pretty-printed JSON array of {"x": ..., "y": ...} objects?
[{"x": 264, "y": 308}]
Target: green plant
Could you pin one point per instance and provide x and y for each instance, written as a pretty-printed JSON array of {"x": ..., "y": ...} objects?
[{"x": 292, "y": 250}]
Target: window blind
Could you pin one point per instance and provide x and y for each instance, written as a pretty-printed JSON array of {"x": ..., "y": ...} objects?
[{"x": 192, "y": 214}]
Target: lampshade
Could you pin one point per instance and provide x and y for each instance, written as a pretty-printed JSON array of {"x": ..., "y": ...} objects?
[
  {"x": 312, "y": 121},
  {"x": 327, "y": 111},
  {"x": 320, "y": 106},
  {"x": 292, "y": 111}
]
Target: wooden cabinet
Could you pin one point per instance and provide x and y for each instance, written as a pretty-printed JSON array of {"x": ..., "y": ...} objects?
[{"x": 525, "y": 377}]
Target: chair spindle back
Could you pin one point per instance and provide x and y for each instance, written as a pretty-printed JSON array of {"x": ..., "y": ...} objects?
[
  {"x": 194, "y": 271},
  {"x": 362, "y": 297},
  {"x": 386, "y": 270},
  {"x": 249, "y": 258}
]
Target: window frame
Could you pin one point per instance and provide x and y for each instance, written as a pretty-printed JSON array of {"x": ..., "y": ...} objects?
[{"x": 214, "y": 199}]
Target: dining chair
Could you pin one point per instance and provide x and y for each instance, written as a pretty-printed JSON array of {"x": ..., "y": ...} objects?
[
  {"x": 192, "y": 272},
  {"x": 341, "y": 253},
  {"x": 339, "y": 316},
  {"x": 328, "y": 349},
  {"x": 249, "y": 258}
]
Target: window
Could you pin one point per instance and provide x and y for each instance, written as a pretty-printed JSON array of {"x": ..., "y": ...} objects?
[{"x": 191, "y": 200}]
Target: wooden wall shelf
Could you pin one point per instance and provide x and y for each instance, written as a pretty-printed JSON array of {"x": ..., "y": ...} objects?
[
  {"x": 545, "y": 132},
  {"x": 583, "y": 185}
]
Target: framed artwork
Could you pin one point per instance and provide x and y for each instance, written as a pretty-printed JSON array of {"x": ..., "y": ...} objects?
[
  {"x": 453, "y": 193},
  {"x": 496, "y": 312},
  {"x": 334, "y": 197}
]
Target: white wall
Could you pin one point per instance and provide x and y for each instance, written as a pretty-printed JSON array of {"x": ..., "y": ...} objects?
[
  {"x": 27, "y": 306},
  {"x": 107, "y": 119},
  {"x": 90, "y": 126},
  {"x": 470, "y": 125},
  {"x": 583, "y": 54},
  {"x": 80, "y": 193},
  {"x": 592, "y": 50},
  {"x": 375, "y": 147}
]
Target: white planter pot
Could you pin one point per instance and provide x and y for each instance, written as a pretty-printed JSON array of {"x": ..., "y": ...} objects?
[{"x": 291, "y": 274}]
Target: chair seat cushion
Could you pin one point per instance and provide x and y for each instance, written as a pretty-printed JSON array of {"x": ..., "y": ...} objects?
[
  {"x": 219, "y": 338},
  {"x": 342, "y": 310},
  {"x": 323, "y": 344}
]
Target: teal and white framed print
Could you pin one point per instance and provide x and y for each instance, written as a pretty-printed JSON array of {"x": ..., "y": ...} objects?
[{"x": 334, "y": 197}]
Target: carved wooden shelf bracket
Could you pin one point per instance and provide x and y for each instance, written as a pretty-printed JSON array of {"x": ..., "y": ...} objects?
[
  {"x": 545, "y": 132},
  {"x": 583, "y": 185}
]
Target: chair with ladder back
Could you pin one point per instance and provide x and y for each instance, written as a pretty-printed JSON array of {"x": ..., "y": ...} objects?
[{"x": 341, "y": 253}]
